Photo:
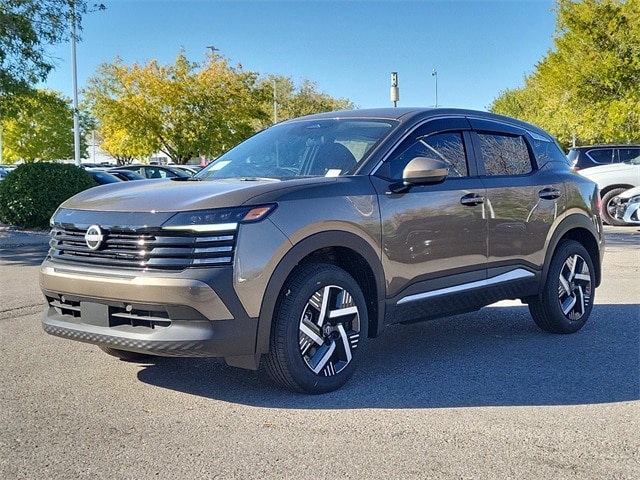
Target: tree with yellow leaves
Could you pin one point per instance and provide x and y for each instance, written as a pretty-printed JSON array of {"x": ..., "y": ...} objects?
[{"x": 185, "y": 109}]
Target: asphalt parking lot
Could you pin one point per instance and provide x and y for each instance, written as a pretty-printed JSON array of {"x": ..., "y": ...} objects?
[{"x": 481, "y": 395}]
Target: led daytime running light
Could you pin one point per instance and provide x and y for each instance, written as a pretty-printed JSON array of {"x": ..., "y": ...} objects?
[{"x": 217, "y": 220}]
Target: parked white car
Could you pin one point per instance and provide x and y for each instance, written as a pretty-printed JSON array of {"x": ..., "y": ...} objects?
[
  {"x": 627, "y": 206},
  {"x": 612, "y": 181}
]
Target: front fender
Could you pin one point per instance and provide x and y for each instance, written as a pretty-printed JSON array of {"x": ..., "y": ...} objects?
[{"x": 303, "y": 250}]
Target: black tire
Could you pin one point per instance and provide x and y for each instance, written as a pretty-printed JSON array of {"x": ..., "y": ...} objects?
[
  {"x": 125, "y": 355},
  {"x": 566, "y": 302},
  {"x": 319, "y": 328},
  {"x": 608, "y": 208}
]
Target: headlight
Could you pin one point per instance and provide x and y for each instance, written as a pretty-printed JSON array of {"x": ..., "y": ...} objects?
[{"x": 218, "y": 219}]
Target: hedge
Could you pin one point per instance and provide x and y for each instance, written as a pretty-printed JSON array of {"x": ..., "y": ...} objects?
[{"x": 31, "y": 193}]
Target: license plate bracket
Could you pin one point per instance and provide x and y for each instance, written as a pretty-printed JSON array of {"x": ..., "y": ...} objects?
[{"x": 95, "y": 314}]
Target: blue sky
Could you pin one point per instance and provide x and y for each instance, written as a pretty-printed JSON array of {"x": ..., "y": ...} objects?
[{"x": 479, "y": 48}]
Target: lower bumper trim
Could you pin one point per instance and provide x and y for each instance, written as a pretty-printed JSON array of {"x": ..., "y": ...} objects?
[{"x": 186, "y": 338}]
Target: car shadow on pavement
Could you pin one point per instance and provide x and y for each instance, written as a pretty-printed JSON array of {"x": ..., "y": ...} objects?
[
  {"x": 494, "y": 357},
  {"x": 24, "y": 255}
]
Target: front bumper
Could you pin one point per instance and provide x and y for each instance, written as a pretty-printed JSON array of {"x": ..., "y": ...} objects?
[
  {"x": 628, "y": 212},
  {"x": 165, "y": 315}
]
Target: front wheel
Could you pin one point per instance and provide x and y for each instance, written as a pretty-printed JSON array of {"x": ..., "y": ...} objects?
[
  {"x": 318, "y": 330},
  {"x": 567, "y": 299}
]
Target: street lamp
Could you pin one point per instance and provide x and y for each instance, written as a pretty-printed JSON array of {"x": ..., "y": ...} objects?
[
  {"x": 395, "y": 90},
  {"x": 74, "y": 82},
  {"x": 435, "y": 74}
]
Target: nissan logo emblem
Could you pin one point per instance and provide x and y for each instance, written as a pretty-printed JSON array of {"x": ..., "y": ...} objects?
[{"x": 93, "y": 237}]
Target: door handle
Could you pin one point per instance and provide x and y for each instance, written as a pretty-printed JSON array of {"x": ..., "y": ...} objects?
[
  {"x": 472, "y": 199},
  {"x": 549, "y": 193}
]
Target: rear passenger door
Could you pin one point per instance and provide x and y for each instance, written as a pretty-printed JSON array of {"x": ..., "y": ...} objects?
[{"x": 521, "y": 199}]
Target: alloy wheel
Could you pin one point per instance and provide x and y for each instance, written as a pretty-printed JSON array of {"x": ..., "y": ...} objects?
[
  {"x": 574, "y": 288},
  {"x": 329, "y": 330}
]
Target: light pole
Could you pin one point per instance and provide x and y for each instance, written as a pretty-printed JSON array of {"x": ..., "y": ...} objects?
[
  {"x": 74, "y": 82},
  {"x": 435, "y": 74}
]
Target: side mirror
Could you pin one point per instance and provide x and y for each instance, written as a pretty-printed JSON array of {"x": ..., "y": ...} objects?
[{"x": 421, "y": 171}]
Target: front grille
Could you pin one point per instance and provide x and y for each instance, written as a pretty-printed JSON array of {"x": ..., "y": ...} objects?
[{"x": 122, "y": 248}]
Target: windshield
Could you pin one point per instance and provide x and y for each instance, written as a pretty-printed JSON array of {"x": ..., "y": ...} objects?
[{"x": 301, "y": 149}]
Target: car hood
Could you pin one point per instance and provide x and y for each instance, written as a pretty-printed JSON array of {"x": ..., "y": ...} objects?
[{"x": 174, "y": 196}]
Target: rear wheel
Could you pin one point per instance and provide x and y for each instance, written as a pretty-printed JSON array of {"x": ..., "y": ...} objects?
[
  {"x": 608, "y": 207},
  {"x": 567, "y": 299},
  {"x": 318, "y": 330},
  {"x": 125, "y": 355}
]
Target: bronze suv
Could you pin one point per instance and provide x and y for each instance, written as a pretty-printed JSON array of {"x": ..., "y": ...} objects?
[{"x": 301, "y": 243}]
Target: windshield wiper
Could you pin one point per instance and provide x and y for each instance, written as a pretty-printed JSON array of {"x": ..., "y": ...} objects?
[{"x": 258, "y": 179}]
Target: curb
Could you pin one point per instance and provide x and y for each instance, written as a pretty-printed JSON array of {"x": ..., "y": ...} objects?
[{"x": 12, "y": 237}]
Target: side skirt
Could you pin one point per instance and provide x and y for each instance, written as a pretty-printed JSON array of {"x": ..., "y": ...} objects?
[{"x": 467, "y": 297}]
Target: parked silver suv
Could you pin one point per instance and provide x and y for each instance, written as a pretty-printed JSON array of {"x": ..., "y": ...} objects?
[{"x": 314, "y": 235}]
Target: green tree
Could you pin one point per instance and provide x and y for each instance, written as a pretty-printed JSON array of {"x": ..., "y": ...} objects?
[
  {"x": 230, "y": 105},
  {"x": 40, "y": 128},
  {"x": 27, "y": 29},
  {"x": 588, "y": 87},
  {"x": 294, "y": 101}
]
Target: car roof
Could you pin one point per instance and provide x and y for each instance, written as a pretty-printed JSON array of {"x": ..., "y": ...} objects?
[
  {"x": 604, "y": 145},
  {"x": 411, "y": 114},
  {"x": 102, "y": 176}
]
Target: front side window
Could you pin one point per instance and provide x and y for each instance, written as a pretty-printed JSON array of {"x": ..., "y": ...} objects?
[
  {"x": 447, "y": 147},
  {"x": 504, "y": 154},
  {"x": 156, "y": 173}
]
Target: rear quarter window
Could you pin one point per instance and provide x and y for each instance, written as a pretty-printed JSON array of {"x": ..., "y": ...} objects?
[
  {"x": 602, "y": 155},
  {"x": 545, "y": 151}
]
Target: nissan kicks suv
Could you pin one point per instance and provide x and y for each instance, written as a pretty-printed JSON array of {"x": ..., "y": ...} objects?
[{"x": 311, "y": 237}]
